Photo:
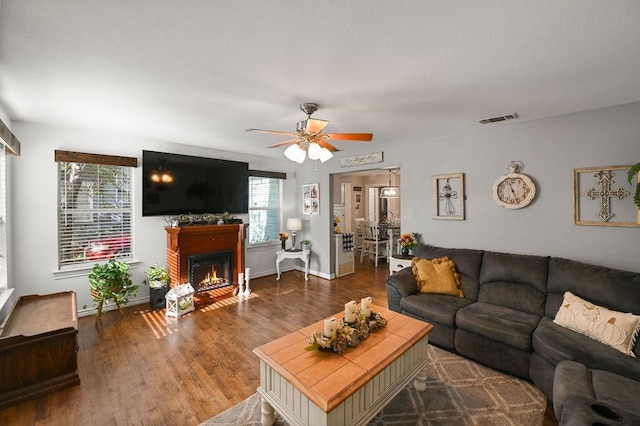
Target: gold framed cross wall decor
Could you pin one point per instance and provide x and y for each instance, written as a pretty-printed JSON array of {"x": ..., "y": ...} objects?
[
  {"x": 603, "y": 197},
  {"x": 448, "y": 196}
]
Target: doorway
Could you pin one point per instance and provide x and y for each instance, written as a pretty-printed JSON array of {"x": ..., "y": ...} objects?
[{"x": 357, "y": 194}]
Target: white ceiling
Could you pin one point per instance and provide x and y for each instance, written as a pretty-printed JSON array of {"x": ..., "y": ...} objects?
[{"x": 200, "y": 72}]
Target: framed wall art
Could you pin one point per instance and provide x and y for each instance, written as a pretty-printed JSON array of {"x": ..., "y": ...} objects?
[
  {"x": 602, "y": 196},
  {"x": 311, "y": 198},
  {"x": 448, "y": 196}
]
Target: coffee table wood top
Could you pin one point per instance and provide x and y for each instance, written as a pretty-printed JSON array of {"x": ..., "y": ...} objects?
[{"x": 327, "y": 378}]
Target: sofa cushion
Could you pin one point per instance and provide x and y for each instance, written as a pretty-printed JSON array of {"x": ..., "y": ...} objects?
[
  {"x": 515, "y": 281},
  {"x": 434, "y": 307},
  {"x": 616, "y": 329},
  {"x": 499, "y": 323},
  {"x": 554, "y": 344},
  {"x": 468, "y": 263},
  {"x": 436, "y": 276},
  {"x": 573, "y": 378},
  {"x": 611, "y": 288}
]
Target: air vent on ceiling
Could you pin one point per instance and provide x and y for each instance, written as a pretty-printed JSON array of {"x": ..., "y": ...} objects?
[{"x": 498, "y": 118}]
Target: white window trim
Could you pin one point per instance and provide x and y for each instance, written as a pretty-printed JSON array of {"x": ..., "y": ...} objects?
[{"x": 280, "y": 220}]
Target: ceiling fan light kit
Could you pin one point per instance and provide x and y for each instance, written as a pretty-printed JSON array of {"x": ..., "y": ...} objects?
[
  {"x": 314, "y": 150},
  {"x": 309, "y": 139},
  {"x": 295, "y": 153}
]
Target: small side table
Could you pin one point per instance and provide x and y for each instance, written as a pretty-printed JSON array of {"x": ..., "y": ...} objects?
[
  {"x": 398, "y": 261},
  {"x": 303, "y": 254}
]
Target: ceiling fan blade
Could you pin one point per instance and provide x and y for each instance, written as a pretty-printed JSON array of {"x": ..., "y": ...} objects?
[
  {"x": 276, "y": 132},
  {"x": 283, "y": 143},
  {"x": 327, "y": 145},
  {"x": 361, "y": 137},
  {"x": 315, "y": 126}
]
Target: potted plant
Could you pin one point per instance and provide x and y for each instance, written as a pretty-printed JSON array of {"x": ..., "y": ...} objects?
[
  {"x": 305, "y": 244},
  {"x": 633, "y": 171},
  {"x": 158, "y": 282},
  {"x": 111, "y": 280}
]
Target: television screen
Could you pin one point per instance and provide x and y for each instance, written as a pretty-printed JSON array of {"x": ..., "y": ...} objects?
[{"x": 175, "y": 184}]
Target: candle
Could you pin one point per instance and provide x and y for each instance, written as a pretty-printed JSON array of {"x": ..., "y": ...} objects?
[
  {"x": 365, "y": 306},
  {"x": 247, "y": 271},
  {"x": 241, "y": 279},
  {"x": 350, "y": 312},
  {"x": 330, "y": 327}
]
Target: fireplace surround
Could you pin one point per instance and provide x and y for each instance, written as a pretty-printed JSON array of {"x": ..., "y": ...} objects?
[{"x": 223, "y": 244}]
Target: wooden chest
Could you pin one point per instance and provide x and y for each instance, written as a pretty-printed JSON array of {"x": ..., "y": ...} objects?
[{"x": 38, "y": 347}]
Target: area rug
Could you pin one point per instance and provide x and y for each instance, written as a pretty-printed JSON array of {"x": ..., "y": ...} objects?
[{"x": 459, "y": 392}]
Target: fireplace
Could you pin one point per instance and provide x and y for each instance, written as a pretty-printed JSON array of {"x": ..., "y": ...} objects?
[
  {"x": 207, "y": 271},
  {"x": 185, "y": 242}
]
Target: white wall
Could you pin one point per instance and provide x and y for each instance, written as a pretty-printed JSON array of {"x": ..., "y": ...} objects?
[
  {"x": 550, "y": 149},
  {"x": 34, "y": 226}
]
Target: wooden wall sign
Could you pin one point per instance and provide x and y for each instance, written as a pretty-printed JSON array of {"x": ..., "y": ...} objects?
[{"x": 357, "y": 160}]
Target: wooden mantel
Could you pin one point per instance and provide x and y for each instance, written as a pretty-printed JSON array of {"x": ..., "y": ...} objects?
[{"x": 185, "y": 241}]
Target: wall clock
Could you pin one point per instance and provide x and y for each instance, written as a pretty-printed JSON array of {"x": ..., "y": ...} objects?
[{"x": 514, "y": 190}]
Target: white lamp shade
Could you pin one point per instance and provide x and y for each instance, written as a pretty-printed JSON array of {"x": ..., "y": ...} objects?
[
  {"x": 325, "y": 155},
  {"x": 295, "y": 153},
  {"x": 314, "y": 151},
  {"x": 294, "y": 224}
]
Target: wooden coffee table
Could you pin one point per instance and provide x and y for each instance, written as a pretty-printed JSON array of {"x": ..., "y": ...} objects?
[{"x": 324, "y": 388}]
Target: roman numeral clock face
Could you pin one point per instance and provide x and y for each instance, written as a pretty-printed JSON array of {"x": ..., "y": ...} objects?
[{"x": 514, "y": 191}]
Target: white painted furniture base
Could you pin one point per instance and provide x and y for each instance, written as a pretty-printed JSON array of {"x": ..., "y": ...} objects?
[
  {"x": 304, "y": 255},
  {"x": 359, "y": 408},
  {"x": 398, "y": 263}
]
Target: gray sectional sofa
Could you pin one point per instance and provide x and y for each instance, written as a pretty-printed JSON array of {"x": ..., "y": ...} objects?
[{"x": 505, "y": 319}]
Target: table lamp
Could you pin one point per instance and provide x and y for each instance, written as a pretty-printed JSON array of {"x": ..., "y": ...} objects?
[{"x": 294, "y": 224}]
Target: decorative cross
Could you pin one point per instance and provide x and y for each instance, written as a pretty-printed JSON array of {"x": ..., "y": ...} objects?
[
  {"x": 447, "y": 194},
  {"x": 605, "y": 193}
]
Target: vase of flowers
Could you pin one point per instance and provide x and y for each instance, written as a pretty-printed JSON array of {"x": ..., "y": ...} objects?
[
  {"x": 407, "y": 242},
  {"x": 283, "y": 240}
]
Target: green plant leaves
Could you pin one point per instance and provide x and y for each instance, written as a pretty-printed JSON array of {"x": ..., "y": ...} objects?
[
  {"x": 633, "y": 171},
  {"x": 111, "y": 280}
]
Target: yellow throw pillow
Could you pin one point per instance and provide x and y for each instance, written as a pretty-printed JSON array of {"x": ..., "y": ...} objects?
[{"x": 437, "y": 276}]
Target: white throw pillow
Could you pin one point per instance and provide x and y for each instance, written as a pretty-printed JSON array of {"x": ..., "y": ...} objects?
[{"x": 616, "y": 329}]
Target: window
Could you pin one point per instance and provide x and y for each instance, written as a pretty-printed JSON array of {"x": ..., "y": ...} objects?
[
  {"x": 9, "y": 145},
  {"x": 3, "y": 219},
  {"x": 94, "y": 208},
  {"x": 265, "y": 194}
]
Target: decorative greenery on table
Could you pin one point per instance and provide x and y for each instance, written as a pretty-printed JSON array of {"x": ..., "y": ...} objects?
[
  {"x": 347, "y": 334},
  {"x": 408, "y": 242},
  {"x": 202, "y": 219}
]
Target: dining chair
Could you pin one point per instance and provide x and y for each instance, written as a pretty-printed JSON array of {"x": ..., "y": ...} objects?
[
  {"x": 372, "y": 242},
  {"x": 358, "y": 221}
]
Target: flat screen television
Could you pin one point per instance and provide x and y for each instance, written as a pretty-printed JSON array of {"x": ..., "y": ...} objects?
[{"x": 176, "y": 184}]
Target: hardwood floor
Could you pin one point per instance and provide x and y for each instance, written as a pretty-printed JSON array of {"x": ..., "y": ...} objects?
[{"x": 145, "y": 369}]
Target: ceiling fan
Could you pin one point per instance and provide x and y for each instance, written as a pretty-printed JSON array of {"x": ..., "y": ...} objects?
[{"x": 310, "y": 140}]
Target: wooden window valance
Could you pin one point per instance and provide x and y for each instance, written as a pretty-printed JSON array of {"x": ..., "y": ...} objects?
[
  {"x": 82, "y": 157},
  {"x": 267, "y": 174}
]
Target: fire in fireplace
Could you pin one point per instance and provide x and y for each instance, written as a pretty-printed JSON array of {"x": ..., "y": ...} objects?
[{"x": 207, "y": 271}]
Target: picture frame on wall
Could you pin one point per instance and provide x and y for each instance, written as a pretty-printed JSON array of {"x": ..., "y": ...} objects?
[
  {"x": 448, "y": 196},
  {"x": 602, "y": 196},
  {"x": 311, "y": 199}
]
